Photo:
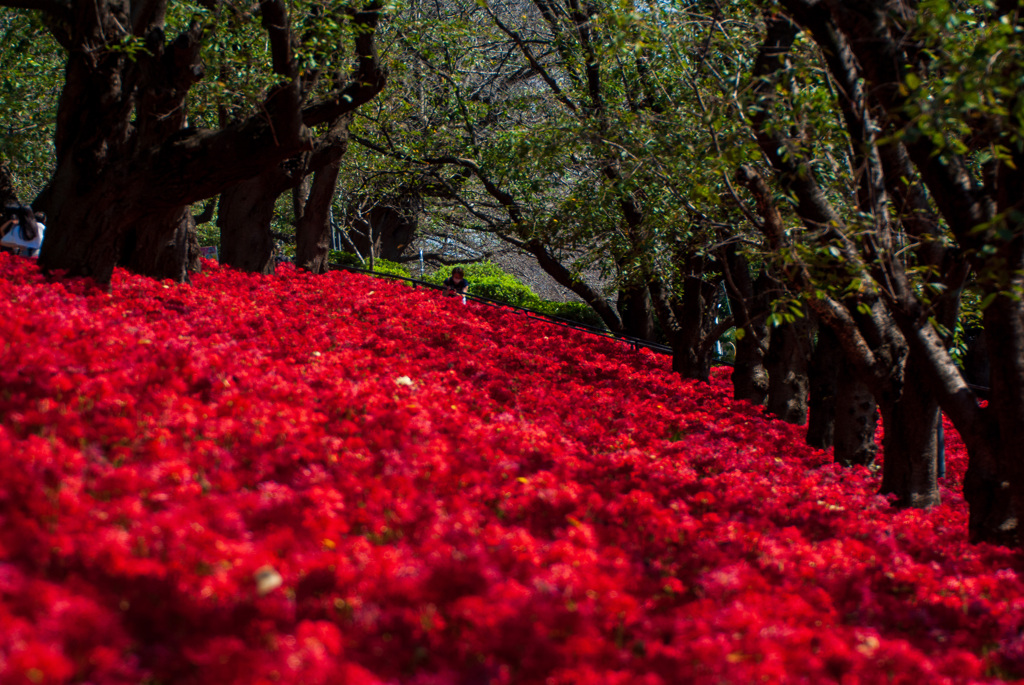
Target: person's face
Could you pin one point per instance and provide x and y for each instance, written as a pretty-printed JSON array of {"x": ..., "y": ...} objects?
[{"x": 457, "y": 278}]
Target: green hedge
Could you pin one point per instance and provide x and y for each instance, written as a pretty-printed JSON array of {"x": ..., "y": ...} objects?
[
  {"x": 491, "y": 281},
  {"x": 380, "y": 266},
  {"x": 579, "y": 312}
]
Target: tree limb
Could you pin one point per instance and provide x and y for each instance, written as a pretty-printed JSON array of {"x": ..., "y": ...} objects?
[
  {"x": 367, "y": 79},
  {"x": 528, "y": 54},
  {"x": 60, "y": 9}
]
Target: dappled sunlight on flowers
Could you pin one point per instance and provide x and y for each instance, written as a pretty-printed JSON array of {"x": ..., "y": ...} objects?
[{"x": 335, "y": 479}]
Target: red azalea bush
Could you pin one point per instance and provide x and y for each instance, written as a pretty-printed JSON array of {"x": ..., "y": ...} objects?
[{"x": 299, "y": 479}]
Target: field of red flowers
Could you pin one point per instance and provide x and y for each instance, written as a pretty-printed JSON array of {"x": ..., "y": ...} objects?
[{"x": 298, "y": 479}]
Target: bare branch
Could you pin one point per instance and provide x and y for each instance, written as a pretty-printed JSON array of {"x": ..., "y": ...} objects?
[{"x": 531, "y": 58}]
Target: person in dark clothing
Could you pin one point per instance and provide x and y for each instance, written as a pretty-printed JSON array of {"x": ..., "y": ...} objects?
[{"x": 456, "y": 283}]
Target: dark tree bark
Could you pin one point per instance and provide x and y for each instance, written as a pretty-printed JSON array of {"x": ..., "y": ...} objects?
[
  {"x": 313, "y": 231},
  {"x": 983, "y": 214},
  {"x": 912, "y": 428},
  {"x": 168, "y": 253},
  {"x": 634, "y": 306},
  {"x": 856, "y": 420},
  {"x": 823, "y": 375},
  {"x": 689, "y": 321},
  {"x": 126, "y": 168},
  {"x": 977, "y": 367},
  {"x": 749, "y": 376},
  {"x": 1004, "y": 327},
  {"x": 691, "y": 353},
  {"x": 873, "y": 338},
  {"x": 250, "y": 223},
  {"x": 789, "y": 353},
  {"x": 750, "y": 303},
  {"x": 386, "y": 228},
  {"x": 244, "y": 219}
]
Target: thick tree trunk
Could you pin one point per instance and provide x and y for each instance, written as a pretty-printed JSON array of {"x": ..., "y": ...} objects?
[
  {"x": 992, "y": 516},
  {"x": 789, "y": 352},
  {"x": 691, "y": 355},
  {"x": 749, "y": 303},
  {"x": 634, "y": 306},
  {"x": 749, "y": 376},
  {"x": 386, "y": 229},
  {"x": 856, "y": 420},
  {"x": 194, "y": 249},
  {"x": 688, "y": 363},
  {"x": 313, "y": 232},
  {"x": 166, "y": 248},
  {"x": 824, "y": 380},
  {"x": 244, "y": 218},
  {"x": 1004, "y": 327},
  {"x": 126, "y": 162},
  {"x": 87, "y": 227},
  {"x": 910, "y": 445}
]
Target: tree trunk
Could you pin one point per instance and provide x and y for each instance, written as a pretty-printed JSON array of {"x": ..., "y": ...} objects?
[
  {"x": 244, "y": 218},
  {"x": 194, "y": 250},
  {"x": 856, "y": 420},
  {"x": 992, "y": 516},
  {"x": 313, "y": 232},
  {"x": 749, "y": 376},
  {"x": 127, "y": 164},
  {"x": 1004, "y": 328},
  {"x": 87, "y": 228},
  {"x": 749, "y": 304},
  {"x": 386, "y": 229},
  {"x": 824, "y": 378},
  {"x": 910, "y": 445},
  {"x": 691, "y": 353},
  {"x": 789, "y": 352},
  {"x": 165, "y": 253},
  {"x": 634, "y": 306}
]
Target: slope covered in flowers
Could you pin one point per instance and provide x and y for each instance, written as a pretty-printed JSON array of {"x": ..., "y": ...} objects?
[{"x": 297, "y": 479}]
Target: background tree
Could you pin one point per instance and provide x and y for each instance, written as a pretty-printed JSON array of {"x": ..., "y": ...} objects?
[
  {"x": 246, "y": 208},
  {"x": 934, "y": 150},
  {"x": 127, "y": 163},
  {"x": 29, "y": 88}
]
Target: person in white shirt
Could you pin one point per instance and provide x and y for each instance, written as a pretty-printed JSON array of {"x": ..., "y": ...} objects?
[{"x": 23, "y": 232}]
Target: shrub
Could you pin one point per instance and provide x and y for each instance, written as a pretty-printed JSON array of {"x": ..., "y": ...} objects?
[
  {"x": 491, "y": 281},
  {"x": 580, "y": 312},
  {"x": 380, "y": 266}
]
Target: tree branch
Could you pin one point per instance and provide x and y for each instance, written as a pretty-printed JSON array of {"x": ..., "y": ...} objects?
[
  {"x": 276, "y": 23},
  {"x": 60, "y": 9},
  {"x": 528, "y": 54},
  {"x": 367, "y": 77},
  {"x": 147, "y": 12}
]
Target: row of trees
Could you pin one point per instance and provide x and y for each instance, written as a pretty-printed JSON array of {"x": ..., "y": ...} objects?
[
  {"x": 127, "y": 161},
  {"x": 846, "y": 173}
]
